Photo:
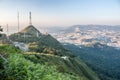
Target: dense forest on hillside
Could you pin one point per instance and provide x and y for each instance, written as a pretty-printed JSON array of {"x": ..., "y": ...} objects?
[
  {"x": 17, "y": 67},
  {"x": 31, "y": 65},
  {"x": 103, "y": 59}
]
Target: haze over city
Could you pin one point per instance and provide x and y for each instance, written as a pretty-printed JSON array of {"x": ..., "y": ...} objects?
[{"x": 47, "y": 13}]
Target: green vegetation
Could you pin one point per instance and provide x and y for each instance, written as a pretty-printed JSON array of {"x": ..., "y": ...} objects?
[
  {"x": 37, "y": 66},
  {"x": 20, "y": 68},
  {"x": 48, "y": 52},
  {"x": 104, "y": 60},
  {"x": 70, "y": 66},
  {"x": 43, "y": 44}
]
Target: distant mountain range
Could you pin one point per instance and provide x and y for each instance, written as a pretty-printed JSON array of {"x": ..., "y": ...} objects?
[{"x": 84, "y": 28}]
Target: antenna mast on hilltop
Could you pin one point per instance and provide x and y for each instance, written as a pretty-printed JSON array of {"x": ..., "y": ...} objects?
[
  {"x": 30, "y": 18},
  {"x": 7, "y": 31},
  {"x": 18, "y": 21}
]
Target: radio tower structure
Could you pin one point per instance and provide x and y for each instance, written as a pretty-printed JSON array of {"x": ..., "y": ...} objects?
[
  {"x": 30, "y": 18},
  {"x": 7, "y": 31},
  {"x": 18, "y": 21}
]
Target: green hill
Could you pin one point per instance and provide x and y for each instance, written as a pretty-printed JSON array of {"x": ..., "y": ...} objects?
[
  {"x": 17, "y": 67},
  {"x": 43, "y": 43},
  {"x": 20, "y": 63},
  {"x": 104, "y": 60},
  {"x": 46, "y": 50}
]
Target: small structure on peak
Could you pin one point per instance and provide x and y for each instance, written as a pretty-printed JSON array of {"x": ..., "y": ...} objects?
[{"x": 30, "y": 31}]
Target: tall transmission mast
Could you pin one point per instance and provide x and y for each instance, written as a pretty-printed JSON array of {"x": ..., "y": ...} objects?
[
  {"x": 30, "y": 18},
  {"x": 7, "y": 31},
  {"x": 18, "y": 21}
]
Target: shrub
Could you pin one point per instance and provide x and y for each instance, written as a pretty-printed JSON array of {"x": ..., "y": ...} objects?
[{"x": 19, "y": 68}]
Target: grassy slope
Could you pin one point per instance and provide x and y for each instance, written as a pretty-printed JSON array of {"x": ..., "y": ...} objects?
[
  {"x": 44, "y": 41},
  {"x": 18, "y": 67},
  {"x": 71, "y": 66}
]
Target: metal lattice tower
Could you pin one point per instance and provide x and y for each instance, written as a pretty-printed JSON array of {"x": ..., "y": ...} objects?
[
  {"x": 18, "y": 21},
  {"x": 7, "y": 30},
  {"x": 30, "y": 18}
]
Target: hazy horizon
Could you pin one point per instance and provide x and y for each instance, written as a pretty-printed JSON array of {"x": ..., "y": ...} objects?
[{"x": 61, "y": 13}]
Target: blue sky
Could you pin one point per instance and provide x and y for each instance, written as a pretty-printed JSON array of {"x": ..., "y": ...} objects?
[{"x": 60, "y": 12}]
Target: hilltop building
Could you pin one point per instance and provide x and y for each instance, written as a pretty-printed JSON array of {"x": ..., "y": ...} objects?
[{"x": 30, "y": 31}]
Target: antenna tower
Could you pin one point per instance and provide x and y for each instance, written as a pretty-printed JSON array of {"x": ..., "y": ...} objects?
[
  {"x": 30, "y": 18},
  {"x": 18, "y": 21}
]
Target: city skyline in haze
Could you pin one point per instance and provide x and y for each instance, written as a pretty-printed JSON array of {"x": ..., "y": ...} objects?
[{"x": 60, "y": 12}]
